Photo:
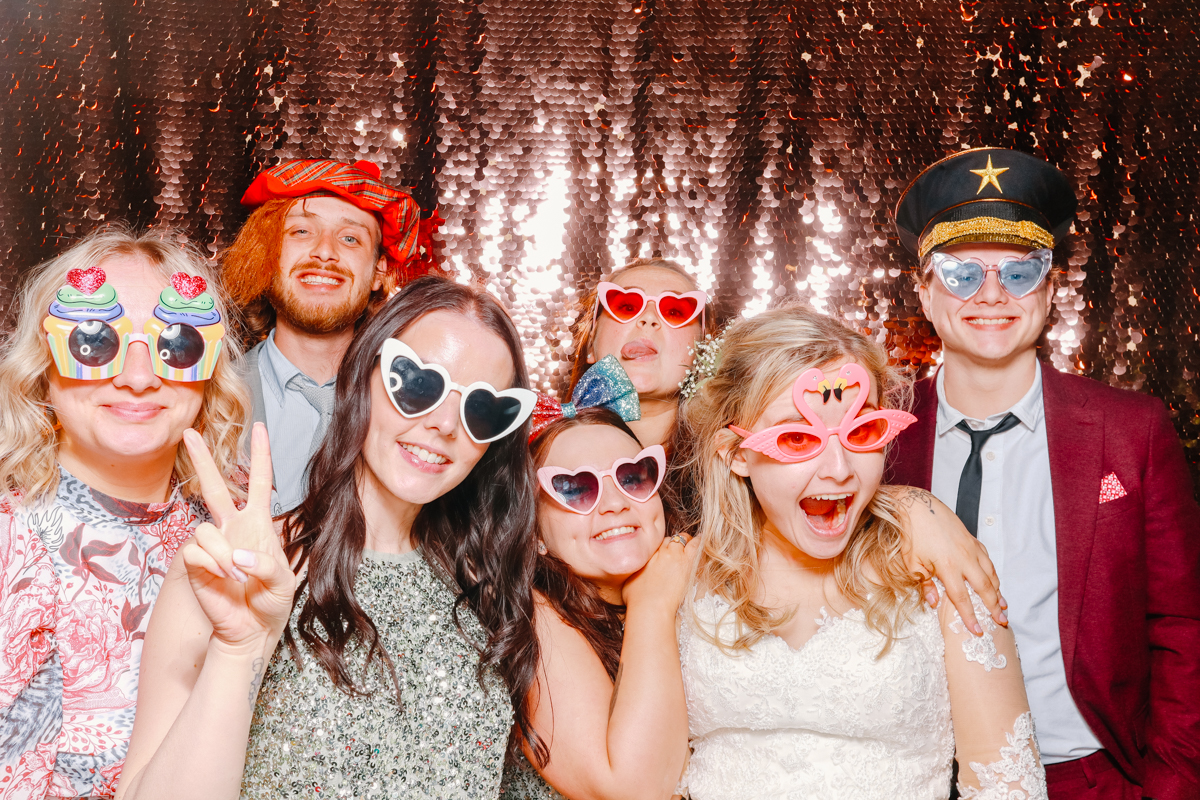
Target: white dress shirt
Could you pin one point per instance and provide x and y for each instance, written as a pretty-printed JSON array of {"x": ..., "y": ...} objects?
[
  {"x": 1016, "y": 524},
  {"x": 291, "y": 423}
]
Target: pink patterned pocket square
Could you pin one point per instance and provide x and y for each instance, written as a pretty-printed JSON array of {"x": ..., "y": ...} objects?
[{"x": 1111, "y": 488}]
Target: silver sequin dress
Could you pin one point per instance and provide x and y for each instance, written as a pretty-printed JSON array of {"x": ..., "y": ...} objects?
[
  {"x": 445, "y": 739},
  {"x": 522, "y": 782}
]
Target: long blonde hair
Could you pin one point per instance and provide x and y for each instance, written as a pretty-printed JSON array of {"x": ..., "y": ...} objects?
[
  {"x": 28, "y": 438},
  {"x": 761, "y": 358}
]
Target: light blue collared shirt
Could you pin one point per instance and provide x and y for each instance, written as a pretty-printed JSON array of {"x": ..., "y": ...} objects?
[
  {"x": 1016, "y": 524},
  {"x": 291, "y": 423}
]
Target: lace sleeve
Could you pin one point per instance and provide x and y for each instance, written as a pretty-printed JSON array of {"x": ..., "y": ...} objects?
[
  {"x": 998, "y": 758},
  {"x": 980, "y": 649},
  {"x": 1018, "y": 766}
]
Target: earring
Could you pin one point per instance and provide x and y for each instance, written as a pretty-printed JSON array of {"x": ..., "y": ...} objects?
[{"x": 542, "y": 548}]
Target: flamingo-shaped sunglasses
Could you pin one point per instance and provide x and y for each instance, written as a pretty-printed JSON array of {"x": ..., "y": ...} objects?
[{"x": 795, "y": 441}]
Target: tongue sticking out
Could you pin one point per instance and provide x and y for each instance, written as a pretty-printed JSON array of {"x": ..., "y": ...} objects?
[
  {"x": 638, "y": 348},
  {"x": 826, "y": 515}
]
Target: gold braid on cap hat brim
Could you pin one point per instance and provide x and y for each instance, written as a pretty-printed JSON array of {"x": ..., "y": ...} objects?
[{"x": 985, "y": 229}]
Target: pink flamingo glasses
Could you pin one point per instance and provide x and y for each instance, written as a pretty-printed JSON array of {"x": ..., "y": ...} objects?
[
  {"x": 637, "y": 478},
  {"x": 796, "y": 441},
  {"x": 625, "y": 305}
]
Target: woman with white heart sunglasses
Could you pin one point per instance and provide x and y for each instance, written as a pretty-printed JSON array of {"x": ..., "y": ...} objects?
[
  {"x": 608, "y": 707},
  {"x": 407, "y": 633}
]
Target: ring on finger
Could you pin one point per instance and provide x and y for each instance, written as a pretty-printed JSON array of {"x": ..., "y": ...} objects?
[{"x": 675, "y": 537}]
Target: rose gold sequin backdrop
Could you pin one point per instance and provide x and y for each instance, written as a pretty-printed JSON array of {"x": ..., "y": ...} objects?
[{"x": 763, "y": 143}]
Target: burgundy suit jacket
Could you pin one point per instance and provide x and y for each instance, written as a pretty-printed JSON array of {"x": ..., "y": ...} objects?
[{"x": 1128, "y": 570}]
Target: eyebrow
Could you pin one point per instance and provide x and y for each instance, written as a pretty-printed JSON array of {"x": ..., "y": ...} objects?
[{"x": 341, "y": 221}]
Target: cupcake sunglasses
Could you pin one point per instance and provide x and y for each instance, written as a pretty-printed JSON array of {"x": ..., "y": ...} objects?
[{"x": 95, "y": 349}]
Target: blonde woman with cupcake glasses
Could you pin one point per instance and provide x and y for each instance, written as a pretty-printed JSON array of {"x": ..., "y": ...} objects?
[{"x": 119, "y": 348}]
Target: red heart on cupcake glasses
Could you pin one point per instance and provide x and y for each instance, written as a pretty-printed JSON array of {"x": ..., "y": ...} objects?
[
  {"x": 87, "y": 280},
  {"x": 188, "y": 286},
  {"x": 674, "y": 309}
]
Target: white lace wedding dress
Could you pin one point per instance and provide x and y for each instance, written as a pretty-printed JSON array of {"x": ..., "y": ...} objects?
[{"x": 830, "y": 721}]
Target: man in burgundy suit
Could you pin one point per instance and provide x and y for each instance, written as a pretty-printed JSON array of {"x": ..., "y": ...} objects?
[{"x": 1079, "y": 490}]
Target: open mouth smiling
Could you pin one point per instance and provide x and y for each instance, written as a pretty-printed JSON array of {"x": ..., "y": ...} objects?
[
  {"x": 426, "y": 460},
  {"x": 827, "y": 513}
]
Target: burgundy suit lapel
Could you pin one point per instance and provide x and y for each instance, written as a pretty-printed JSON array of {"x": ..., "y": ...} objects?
[
  {"x": 1075, "y": 437},
  {"x": 911, "y": 457}
]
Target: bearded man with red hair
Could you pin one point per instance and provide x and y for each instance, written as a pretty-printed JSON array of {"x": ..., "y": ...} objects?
[{"x": 325, "y": 246}]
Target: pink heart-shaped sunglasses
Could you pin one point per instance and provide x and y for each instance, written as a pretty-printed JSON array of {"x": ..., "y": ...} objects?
[{"x": 637, "y": 478}]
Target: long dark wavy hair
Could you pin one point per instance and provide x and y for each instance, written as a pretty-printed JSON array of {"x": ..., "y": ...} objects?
[
  {"x": 577, "y": 600},
  {"x": 480, "y": 534}
]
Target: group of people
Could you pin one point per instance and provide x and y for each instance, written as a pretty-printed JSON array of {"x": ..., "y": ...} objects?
[{"x": 363, "y": 558}]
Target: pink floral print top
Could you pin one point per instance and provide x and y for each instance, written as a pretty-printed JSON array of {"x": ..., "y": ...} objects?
[{"x": 78, "y": 577}]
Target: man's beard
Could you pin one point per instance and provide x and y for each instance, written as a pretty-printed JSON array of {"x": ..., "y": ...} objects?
[{"x": 316, "y": 318}]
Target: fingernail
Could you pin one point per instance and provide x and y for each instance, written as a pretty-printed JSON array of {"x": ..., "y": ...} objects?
[
  {"x": 1003, "y": 618},
  {"x": 239, "y": 575},
  {"x": 978, "y": 630},
  {"x": 931, "y": 598},
  {"x": 1003, "y": 602},
  {"x": 245, "y": 558}
]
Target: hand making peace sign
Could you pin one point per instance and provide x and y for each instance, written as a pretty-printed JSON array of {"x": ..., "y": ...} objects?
[{"x": 237, "y": 568}]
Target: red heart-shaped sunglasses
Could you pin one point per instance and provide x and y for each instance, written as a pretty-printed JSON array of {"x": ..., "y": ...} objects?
[{"x": 674, "y": 309}]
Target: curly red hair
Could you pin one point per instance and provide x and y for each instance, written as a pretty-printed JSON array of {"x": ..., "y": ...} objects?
[{"x": 249, "y": 265}]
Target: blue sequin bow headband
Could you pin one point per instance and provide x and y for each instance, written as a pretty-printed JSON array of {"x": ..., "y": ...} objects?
[{"x": 604, "y": 385}]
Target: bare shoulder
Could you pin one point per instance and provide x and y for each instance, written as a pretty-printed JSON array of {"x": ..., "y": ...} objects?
[
  {"x": 561, "y": 643},
  {"x": 548, "y": 621}
]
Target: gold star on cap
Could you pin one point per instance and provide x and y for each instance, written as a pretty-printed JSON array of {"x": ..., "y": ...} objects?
[{"x": 988, "y": 175}]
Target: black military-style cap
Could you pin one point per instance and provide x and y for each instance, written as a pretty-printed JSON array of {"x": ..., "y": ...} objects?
[{"x": 987, "y": 194}]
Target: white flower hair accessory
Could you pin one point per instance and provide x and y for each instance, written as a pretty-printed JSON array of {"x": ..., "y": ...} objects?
[{"x": 706, "y": 359}]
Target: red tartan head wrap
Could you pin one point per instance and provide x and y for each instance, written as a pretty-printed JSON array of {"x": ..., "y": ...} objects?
[{"x": 357, "y": 183}]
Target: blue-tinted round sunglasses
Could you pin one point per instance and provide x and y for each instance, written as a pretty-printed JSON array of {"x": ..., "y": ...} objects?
[{"x": 1019, "y": 275}]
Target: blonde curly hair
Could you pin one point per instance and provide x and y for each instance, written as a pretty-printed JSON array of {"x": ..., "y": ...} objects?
[
  {"x": 28, "y": 436},
  {"x": 760, "y": 359}
]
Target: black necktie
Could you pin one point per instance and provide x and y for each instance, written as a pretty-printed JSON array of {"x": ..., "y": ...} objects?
[{"x": 967, "y": 507}]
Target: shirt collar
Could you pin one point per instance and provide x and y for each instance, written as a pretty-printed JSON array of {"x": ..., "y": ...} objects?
[
  {"x": 275, "y": 368},
  {"x": 1028, "y": 410}
]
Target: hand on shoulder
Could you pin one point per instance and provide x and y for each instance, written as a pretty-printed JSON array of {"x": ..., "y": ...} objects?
[{"x": 936, "y": 543}]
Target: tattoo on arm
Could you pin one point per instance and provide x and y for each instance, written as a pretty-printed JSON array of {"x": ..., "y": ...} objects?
[
  {"x": 612, "y": 704},
  {"x": 910, "y": 498},
  {"x": 256, "y": 681}
]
